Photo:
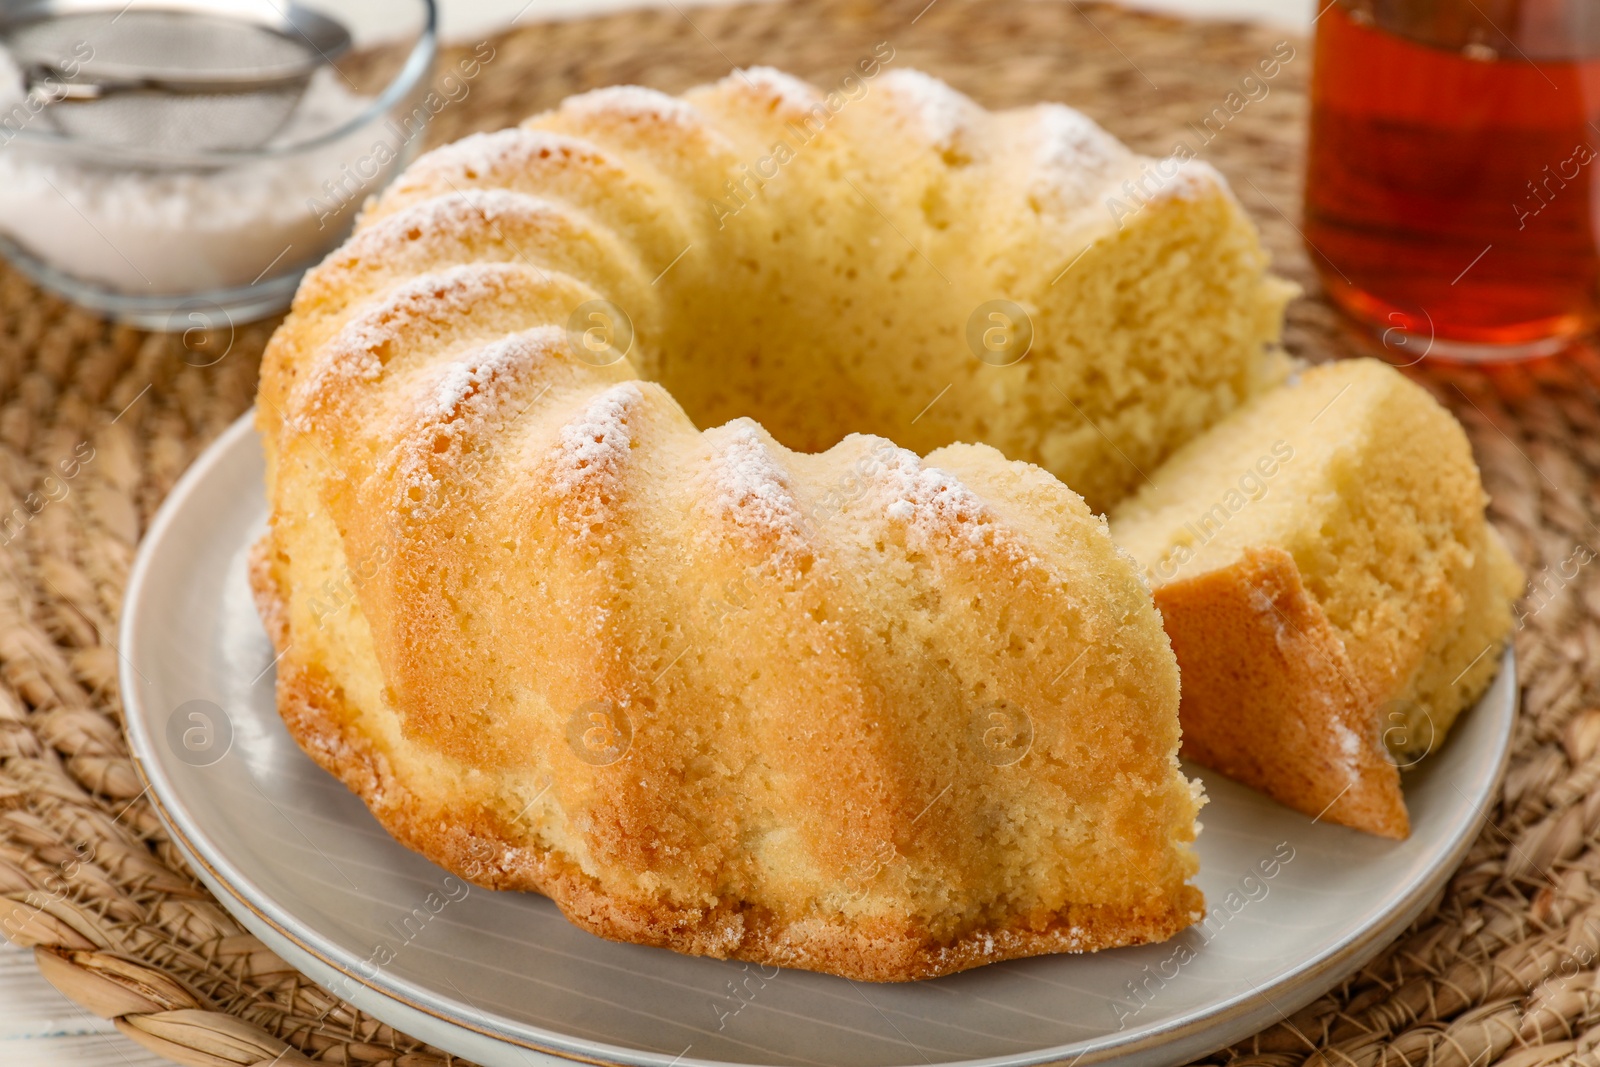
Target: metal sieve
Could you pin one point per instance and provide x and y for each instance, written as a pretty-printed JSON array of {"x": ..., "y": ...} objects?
[{"x": 168, "y": 75}]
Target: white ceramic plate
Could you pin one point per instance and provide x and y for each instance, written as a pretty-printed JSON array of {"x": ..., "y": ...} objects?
[{"x": 503, "y": 979}]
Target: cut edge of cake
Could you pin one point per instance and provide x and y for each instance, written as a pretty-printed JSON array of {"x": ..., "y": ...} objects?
[{"x": 1267, "y": 611}]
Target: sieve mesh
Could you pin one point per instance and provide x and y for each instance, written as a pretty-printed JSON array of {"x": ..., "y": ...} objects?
[{"x": 165, "y": 80}]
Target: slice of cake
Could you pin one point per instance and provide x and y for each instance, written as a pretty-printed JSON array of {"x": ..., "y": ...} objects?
[{"x": 1332, "y": 589}]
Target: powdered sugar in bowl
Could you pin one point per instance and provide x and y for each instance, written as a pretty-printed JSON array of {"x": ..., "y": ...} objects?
[{"x": 175, "y": 164}]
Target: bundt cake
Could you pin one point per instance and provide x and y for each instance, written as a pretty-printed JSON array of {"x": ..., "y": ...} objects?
[
  {"x": 1333, "y": 592},
  {"x": 885, "y": 257},
  {"x": 841, "y": 708}
]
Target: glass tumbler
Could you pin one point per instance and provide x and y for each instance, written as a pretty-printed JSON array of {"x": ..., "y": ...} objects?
[{"x": 1451, "y": 202}]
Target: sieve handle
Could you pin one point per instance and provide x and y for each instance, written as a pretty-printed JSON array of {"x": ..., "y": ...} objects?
[{"x": 48, "y": 84}]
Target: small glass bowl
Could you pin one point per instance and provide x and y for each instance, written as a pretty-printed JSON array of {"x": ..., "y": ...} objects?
[{"x": 173, "y": 241}]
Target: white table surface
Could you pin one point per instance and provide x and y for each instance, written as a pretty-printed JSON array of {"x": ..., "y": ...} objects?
[{"x": 41, "y": 1028}]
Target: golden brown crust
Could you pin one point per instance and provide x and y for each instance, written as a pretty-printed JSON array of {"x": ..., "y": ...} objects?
[
  {"x": 472, "y": 844},
  {"x": 838, "y": 708},
  {"x": 1270, "y": 698}
]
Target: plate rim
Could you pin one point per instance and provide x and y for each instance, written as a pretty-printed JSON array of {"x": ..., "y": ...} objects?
[{"x": 1200, "y": 1032}]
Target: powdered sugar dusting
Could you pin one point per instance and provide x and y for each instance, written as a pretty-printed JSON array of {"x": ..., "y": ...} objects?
[
  {"x": 483, "y": 374},
  {"x": 1195, "y": 180},
  {"x": 456, "y": 403},
  {"x": 448, "y": 216},
  {"x": 1350, "y": 749},
  {"x": 791, "y": 92},
  {"x": 632, "y": 100},
  {"x": 480, "y": 152},
  {"x": 501, "y": 156},
  {"x": 750, "y": 490},
  {"x": 1074, "y": 156},
  {"x": 933, "y": 503},
  {"x": 456, "y": 385},
  {"x": 1264, "y": 607},
  {"x": 361, "y": 350},
  {"x": 590, "y": 457},
  {"x": 942, "y": 112}
]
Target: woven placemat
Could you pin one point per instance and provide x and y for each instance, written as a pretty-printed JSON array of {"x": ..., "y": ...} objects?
[{"x": 1500, "y": 969}]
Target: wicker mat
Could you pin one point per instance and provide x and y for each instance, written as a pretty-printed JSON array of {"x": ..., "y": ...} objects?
[{"x": 119, "y": 923}]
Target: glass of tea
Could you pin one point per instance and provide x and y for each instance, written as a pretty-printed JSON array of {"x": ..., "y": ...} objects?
[{"x": 1451, "y": 195}]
